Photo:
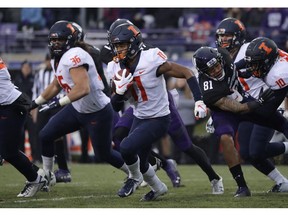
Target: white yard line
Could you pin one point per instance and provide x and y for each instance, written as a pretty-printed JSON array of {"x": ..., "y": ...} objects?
[{"x": 57, "y": 198}]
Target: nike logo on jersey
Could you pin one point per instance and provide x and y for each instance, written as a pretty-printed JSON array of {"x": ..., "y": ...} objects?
[{"x": 141, "y": 72}]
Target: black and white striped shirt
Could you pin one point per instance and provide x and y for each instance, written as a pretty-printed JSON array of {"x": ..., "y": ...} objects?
[{"x": 41, "y": 80}]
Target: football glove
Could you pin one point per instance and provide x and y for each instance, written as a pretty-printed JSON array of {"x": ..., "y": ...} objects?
[
  {"x": 200, "y": 110},
  {"x": 283, "y": 112},
  {"x": 209, "y": 126},
  {"x": 266, "y": 96},
  {"x": 33, "y": 105},
  {"x": 50, "y": 106},
  {"x": 123, "y": 84}
]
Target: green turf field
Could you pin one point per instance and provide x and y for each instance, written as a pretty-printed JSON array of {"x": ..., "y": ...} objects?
[{"x": 96, "y": 186}]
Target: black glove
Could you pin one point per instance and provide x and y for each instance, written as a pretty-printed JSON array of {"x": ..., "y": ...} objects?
[
  {"x": 49, "y": 106},
  {"x": 33, "y": 105},
  {"x": 22, "y": 104},
  {"x": 266, "y": 96}
]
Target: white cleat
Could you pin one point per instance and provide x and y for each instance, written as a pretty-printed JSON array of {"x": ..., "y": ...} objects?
[
  {"x": 279, "y": 188},
  {"x": 217, "y": 186},
  {"x": 283, "y": 187},
  {"x": 31, "y": 188},
  {"x": 143, "y": 184},
  {"x": 152, "y": 195},
  {"x": 50, "y": 177}
]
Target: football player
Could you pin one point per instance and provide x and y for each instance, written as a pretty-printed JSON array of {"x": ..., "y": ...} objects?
[
  {"x": 176, "y": 131},
  {"x": 221, "y": 93},
  {"x": 42, "y": 79},
  {"x": 63, "y": 174},
  {"x": 85, "y": 103},
  {"x": 14, "y": 109},
  {"x": 231, "y": 35},
  {"x": 149, "y": 100}
]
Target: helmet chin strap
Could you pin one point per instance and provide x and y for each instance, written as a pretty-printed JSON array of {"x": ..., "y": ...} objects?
[
  {"x": 222, "y": 76},
  {"x": 216, "y": 78}
]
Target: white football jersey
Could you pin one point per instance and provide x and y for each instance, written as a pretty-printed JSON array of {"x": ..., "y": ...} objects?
[
  {"x": 75, "y": 57},
  {"x": 277, "y": 78},
  {"x": 8, "y": 91},
  {"x": 254, "y": 86},
  {"x": 149, "y": 97}
]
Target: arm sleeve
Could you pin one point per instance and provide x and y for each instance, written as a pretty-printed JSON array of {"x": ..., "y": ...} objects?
[{"x": 117, "y": 102}]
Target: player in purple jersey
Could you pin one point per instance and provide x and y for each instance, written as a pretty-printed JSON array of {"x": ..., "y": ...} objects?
[
  {"x": 85, "y": 103},
  {"x": 253, "y": 139},
  {"x": 221, "y": 93},
  {"x": 14, "y": 109}
]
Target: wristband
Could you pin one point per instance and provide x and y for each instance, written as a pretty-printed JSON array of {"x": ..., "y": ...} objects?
[
  {"x": 65, "y": 100},
  {"x": 194, "y": 87},
  {"x": 40, "y": 100},
  {"x": 117, "y": 102}
]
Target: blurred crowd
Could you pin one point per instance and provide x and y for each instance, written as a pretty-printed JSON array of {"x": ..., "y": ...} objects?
[{"x": 269, "y": 22}]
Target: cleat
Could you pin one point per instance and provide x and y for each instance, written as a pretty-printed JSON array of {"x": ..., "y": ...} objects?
[
  {"x": 242, "y": 192},
  {"x": 152, "y": 195},
  {"x": 143, "y": 184},
  {"x": 129, "y": 187},
  {"x": 50, "y": 177},
  {"x": 31, "y": 188},
  {"x": 172, "y": 172},
  {"x": 217, "y": 186},
  {"x": 278, "y": 188},
  {"x": 62, "y": 176}
]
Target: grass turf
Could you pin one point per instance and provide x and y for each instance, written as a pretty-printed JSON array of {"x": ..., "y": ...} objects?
[{"x": 96, "y": 186}]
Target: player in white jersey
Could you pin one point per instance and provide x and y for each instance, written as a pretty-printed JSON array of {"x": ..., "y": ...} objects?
[
  {"x": 150, "y": 102},
  {"x": 14, "y": 107},
  {"x": 42, "y": 79},
  {"x": 265, "y": 61},
  {"x": 86, "y": 105},
  {"x": 176, "y": 131},
  {"x": 253, "y": 138}
]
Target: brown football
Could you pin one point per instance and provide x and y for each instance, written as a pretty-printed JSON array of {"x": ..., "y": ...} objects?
[{"x": 118, "y": 76}]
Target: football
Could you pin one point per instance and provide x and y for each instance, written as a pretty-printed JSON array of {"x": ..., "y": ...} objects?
[{"x": 118, "y": 76}]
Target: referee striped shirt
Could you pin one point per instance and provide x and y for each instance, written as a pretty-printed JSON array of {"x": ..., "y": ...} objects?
[{"x": 41, "y": 80}]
